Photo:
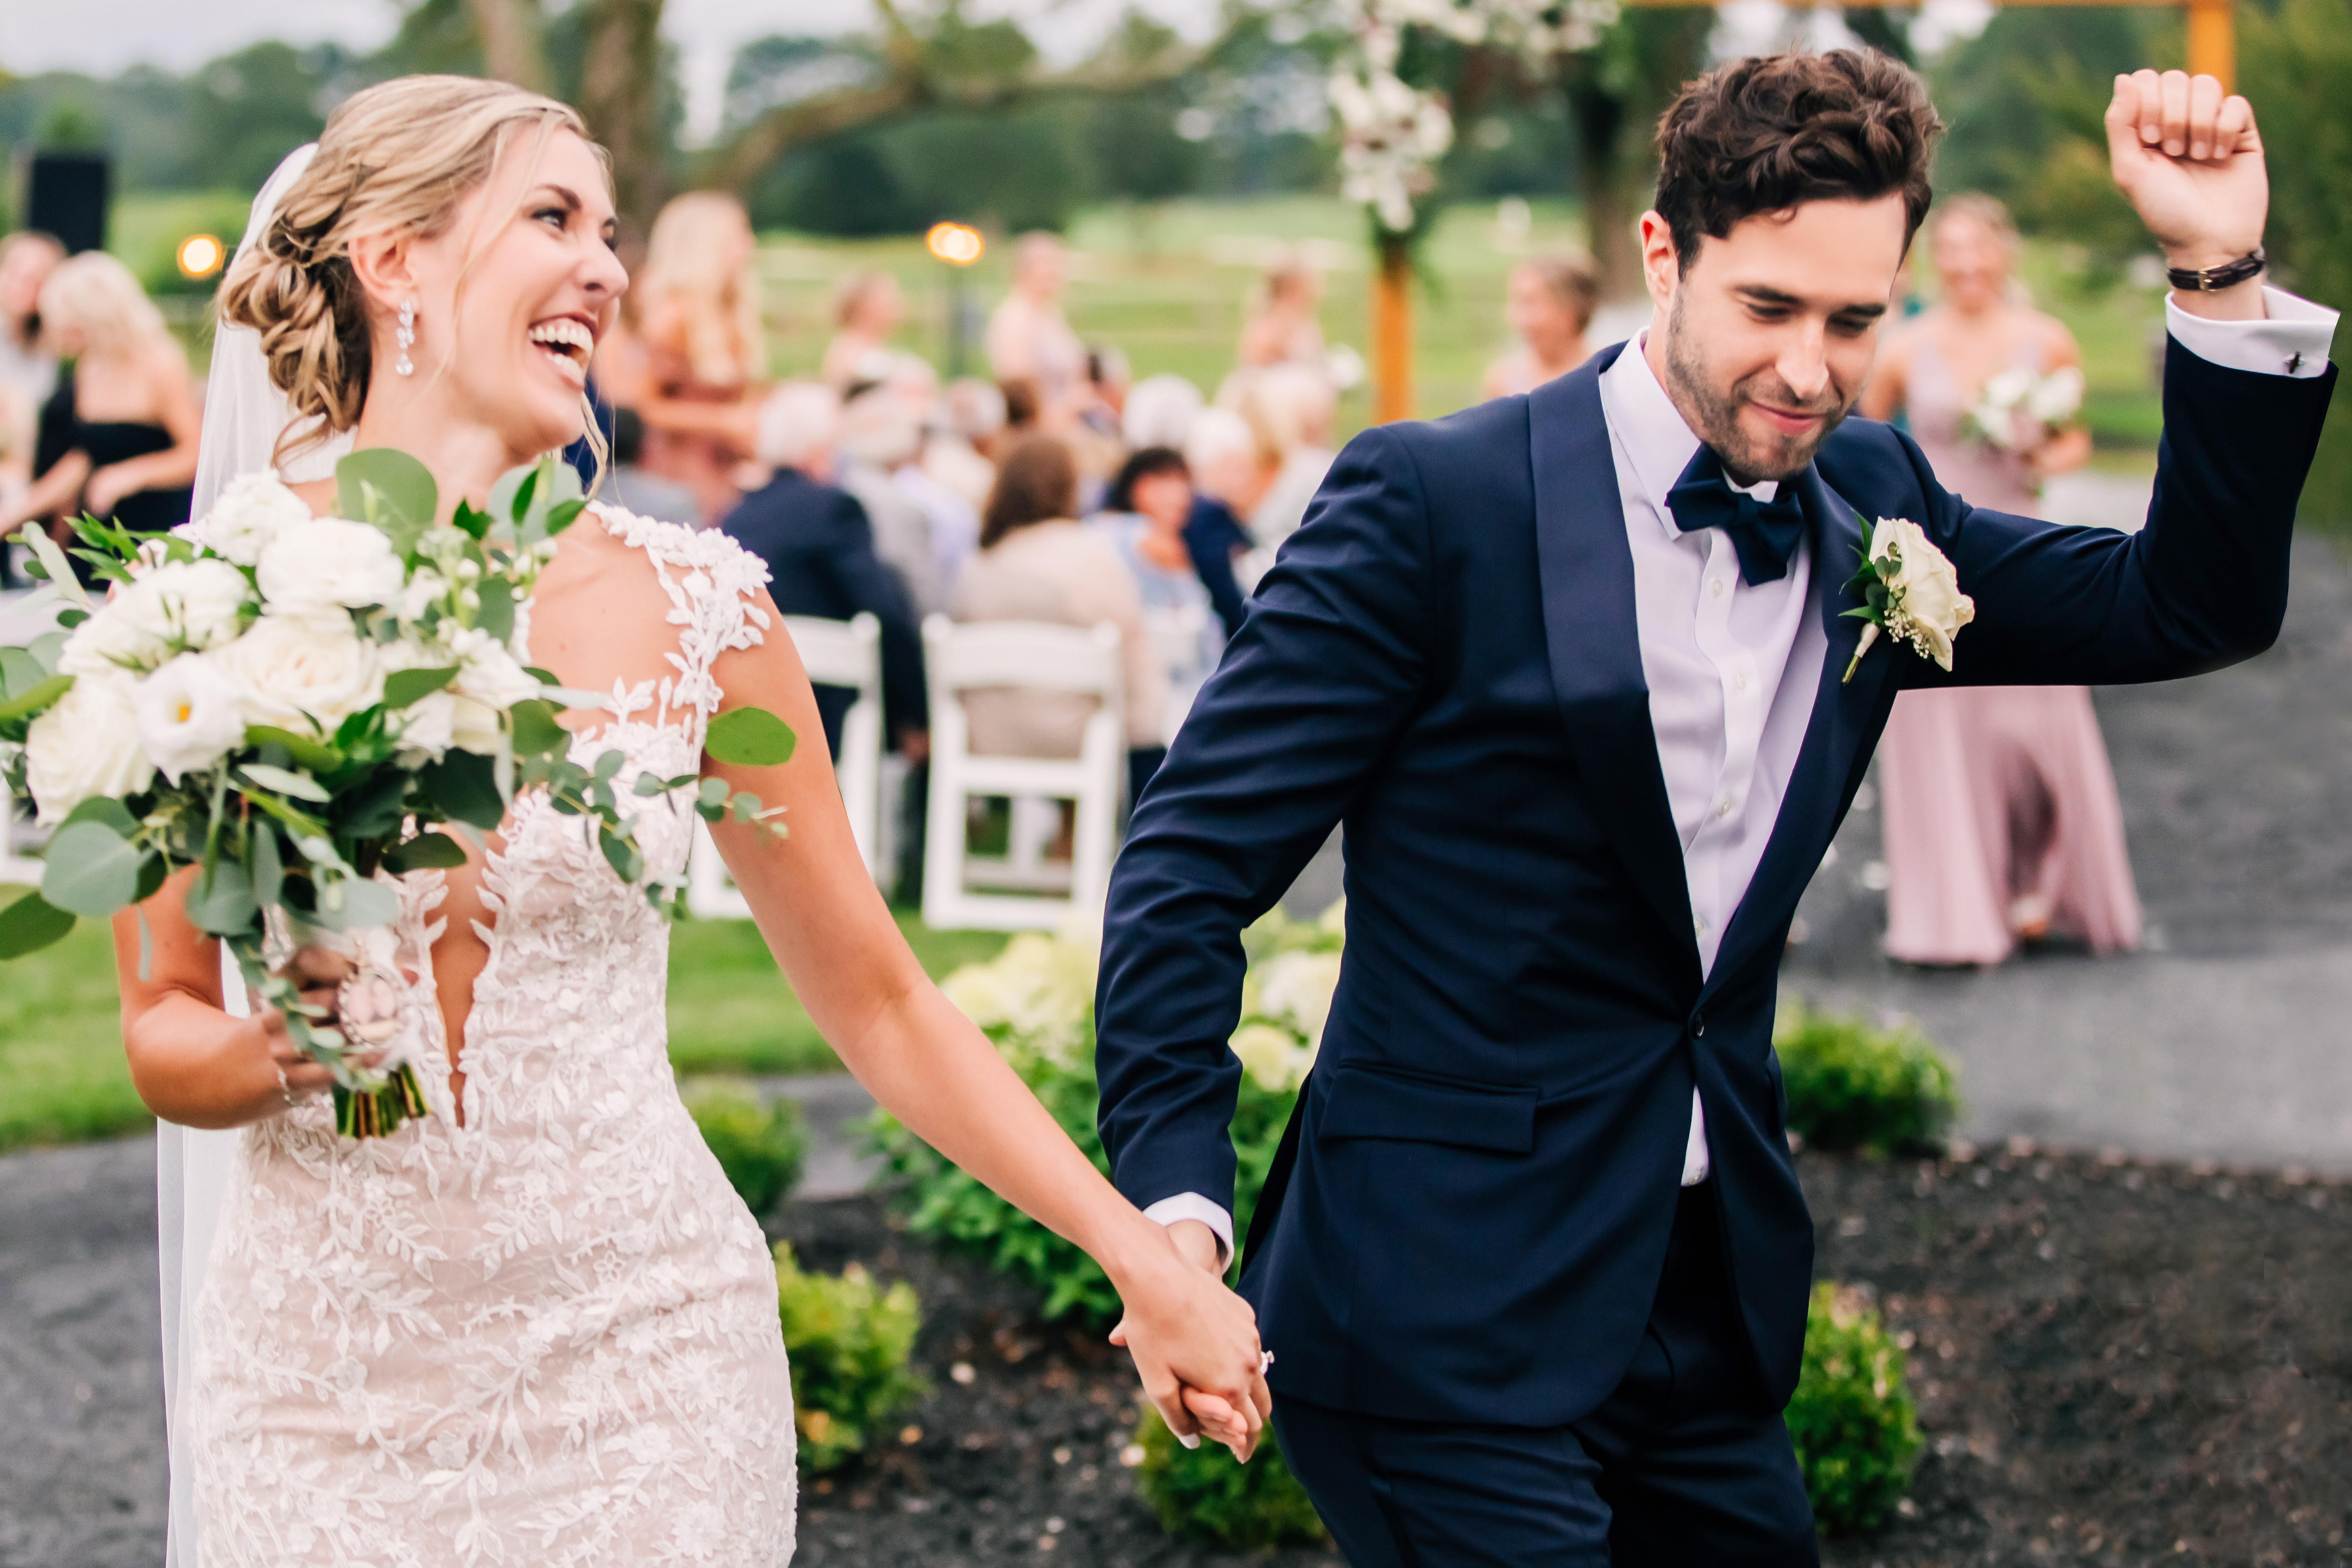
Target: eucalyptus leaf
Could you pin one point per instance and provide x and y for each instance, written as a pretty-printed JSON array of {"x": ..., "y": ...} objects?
[
  {"x": 563, "y": 515},
  {"x": 373, "y": 810},
  {"x": 621, "y": 854},
  {"x": 46, "y": 650},
  {"x": 107, "y": 812},
  {"x": 30, "y": 924},
  {"x": 221, "y": 901},
  {"x": 359, "y": 904},
  {"x": 472, "y": 519},
  {"x": 426, "y": 852},
  {"x": 19, "y": 671},
  {"x": 37, "y": 698},
  {"x": 90, "y": 870},
  {"x": 536, "y": 732},
  {"x": 314, "y": 754},
  {"x": 748, "y": 738},
  {"x": 152, "y": 871},
  {"x": 386, "y": 487},
  {"x": 496, "y": 615},
  {"x": 69, "y": 619},
  {"x": 268, "y": 864},
  {"x": 403, "y": 686},
  {"x": 53, "y": 564},
  {"x": 282, "y": 781}
]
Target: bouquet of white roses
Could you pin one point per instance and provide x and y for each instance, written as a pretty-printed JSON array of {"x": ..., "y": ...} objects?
[
  {"x": 297, "y": 707},
  {"x": 2019, "y": 409}
]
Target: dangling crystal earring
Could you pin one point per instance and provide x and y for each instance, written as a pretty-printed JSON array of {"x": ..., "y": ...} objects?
[{"x": 406, "y": 338}]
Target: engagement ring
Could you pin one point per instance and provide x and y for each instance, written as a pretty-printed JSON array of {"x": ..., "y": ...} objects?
[
  {"x": 284, "y": 1087},
  {"x": 367, "y": 1008}
]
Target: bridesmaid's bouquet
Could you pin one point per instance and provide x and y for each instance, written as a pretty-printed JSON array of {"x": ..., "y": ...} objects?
[
  {"x": 2019, "y": 410},
  {"x": 302, "y": 708}
]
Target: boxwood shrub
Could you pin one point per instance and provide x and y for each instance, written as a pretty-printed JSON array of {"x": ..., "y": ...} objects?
[
  {"x": 760, "y": 1144},
  {"x": 1853, "y": 1086},
  {"x": 1208, "y": 1498},
  {"x": 849, "y": 1341},
  {"x": 1851, "y": 1420}
]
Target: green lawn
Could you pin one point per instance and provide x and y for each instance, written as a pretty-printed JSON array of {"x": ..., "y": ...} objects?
[{"x": 63, "y": 1081}]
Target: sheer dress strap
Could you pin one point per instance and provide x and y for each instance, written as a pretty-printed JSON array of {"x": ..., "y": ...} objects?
[{"x": 710, "y": 581}]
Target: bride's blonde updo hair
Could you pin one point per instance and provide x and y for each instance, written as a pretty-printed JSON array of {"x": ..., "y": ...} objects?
[{"x": 399, "y": 155}]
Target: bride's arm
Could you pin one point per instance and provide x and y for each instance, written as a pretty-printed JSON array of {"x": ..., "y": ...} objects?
[
  {"x": 191, "y": 1062},
  {"x": 829, "y": 929}
]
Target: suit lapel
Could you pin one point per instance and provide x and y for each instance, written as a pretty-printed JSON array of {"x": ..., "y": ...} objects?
[
  {"x": 1844, "y": 716},
  {"x": 1586, "y": 571}
]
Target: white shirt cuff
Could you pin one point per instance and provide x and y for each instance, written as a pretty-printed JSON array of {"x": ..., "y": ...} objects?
[
  {"x": 1696, "y": 1162},
  {"x": 1192, "y": 1205},
  {"x": 2293, "y": 342}
]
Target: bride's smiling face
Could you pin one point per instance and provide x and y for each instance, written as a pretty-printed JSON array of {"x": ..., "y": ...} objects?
[{"x": 511, "y": 297}]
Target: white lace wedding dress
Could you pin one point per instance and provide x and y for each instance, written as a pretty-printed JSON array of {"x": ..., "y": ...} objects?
[{"x": 548, "y": 1335}]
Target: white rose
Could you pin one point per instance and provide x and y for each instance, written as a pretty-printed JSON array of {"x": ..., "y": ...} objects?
[
  {"x": 473, "y": 726},
  {"x": 252, "y": 511},
  {"x": 189, "y": 715},
  {"x": 2056, "y": 397},
  {"x": 87, "y": 746},
  {"x": 328, "y": 563},
  {"x": 442, "y": 721},
  {"x": 1932, "y": 609},
  {"x": 298, "y": 673},
  {"x": 201, "y": 602},
  {"x": 424, "y": 591}
]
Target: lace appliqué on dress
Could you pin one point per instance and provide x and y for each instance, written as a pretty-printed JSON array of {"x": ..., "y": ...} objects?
[{"x": 548, "y": 1335}]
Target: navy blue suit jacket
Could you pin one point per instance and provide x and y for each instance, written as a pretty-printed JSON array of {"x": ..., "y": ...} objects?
[{"x": 1486, "y": 1159}]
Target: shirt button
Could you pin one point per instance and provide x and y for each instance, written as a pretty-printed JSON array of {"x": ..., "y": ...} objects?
[
  {"x": 1739, "y": 683},
  {"x": 1723, "y": 808},
  {"x": 1716, "y": 588}
]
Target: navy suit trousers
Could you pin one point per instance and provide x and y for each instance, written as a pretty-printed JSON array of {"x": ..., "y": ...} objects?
[{"x": 1685, "y": 1463}]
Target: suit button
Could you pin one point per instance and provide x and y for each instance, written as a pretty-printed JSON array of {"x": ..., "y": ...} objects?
[{"x": 1698, "y": 1027}]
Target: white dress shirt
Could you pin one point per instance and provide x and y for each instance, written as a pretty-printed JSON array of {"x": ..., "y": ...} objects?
[{"x": 1733, "y": 667}]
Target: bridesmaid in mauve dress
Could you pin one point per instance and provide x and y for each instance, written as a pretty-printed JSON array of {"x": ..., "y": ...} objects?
[{"x": 2001, "y": 818}]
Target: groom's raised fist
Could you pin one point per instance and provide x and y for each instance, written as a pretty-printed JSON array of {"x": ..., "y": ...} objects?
[{"x": 2186, "y": 156}]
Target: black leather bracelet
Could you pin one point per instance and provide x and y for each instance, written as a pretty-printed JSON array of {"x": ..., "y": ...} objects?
[{"x": 2205, "y": 282}]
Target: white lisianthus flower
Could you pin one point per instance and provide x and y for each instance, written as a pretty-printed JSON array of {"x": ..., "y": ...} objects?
[
  {"x": 328, "y": 563},
  {"x": 301, "y": 673},
  {"x": 202, "y": 602},
  {"x": 127, "y": 632},
  {"x": 189, "y": 715},
  {"x": 254, "y": 509},
  {"x": 87, "y": 746},
  {"x": 473, "y": 726},
  {"x": 487, "y": 673}
]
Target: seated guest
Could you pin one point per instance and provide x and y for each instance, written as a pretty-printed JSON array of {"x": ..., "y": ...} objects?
[
  {"x": 1035, "y": 564},
  {"x": 819, "y": 552},
  {"x": 1288, "y": 411},
  {"x": 1160, "y": 411},
  {"x": 965, "y": 429},
  {"x": 1145, "y": 514},
  {"x": 628, "y": 484},
  {"x": 1551, "y": 303},
  {"x": 879, "y": 436},
  {"x": 1222, "y": 458}
]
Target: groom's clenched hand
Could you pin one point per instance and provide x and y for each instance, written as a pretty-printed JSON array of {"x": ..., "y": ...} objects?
[{"x": 2188, "y": 157}]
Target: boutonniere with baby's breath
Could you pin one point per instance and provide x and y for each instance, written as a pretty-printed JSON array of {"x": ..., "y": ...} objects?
[{"x": 1910, "y": 591}]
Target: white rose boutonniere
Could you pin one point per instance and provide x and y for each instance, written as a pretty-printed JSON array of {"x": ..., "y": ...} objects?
[{"x": 1911, "y": 593}]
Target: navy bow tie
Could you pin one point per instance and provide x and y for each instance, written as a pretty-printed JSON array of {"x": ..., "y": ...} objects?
[{"x": 1764, "y": 533}]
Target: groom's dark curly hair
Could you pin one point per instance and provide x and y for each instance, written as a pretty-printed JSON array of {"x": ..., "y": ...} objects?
[{"x": 1762, "y": 134}]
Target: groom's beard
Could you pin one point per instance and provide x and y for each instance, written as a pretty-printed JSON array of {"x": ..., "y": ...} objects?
[{"x": 1714, "y": 412}]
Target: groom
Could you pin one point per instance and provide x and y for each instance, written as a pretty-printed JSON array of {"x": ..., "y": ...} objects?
[{"x": 1534, "y": 1260}]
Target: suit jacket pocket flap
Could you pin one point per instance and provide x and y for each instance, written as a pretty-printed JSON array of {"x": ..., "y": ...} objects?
[{"x": 1366, "y": 1103}]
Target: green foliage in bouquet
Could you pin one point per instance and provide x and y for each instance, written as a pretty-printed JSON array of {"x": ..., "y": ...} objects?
[
  {"x": 1035, "y": 1000},
  {"x": 1851, "y": 1421},
  {"x": 292, "y": 705},
  {"x": 1208, "y": 1498},
  {"x": 849, "y": 1341},
  {"x": 760, "y": 1145},
  {"x": 1884, "y": 1092}
]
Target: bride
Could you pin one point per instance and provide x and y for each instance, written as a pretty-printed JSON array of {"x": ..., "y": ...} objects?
[{"x": 538, "y": 1324}]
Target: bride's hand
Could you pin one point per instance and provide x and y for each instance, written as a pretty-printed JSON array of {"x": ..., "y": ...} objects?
[
  {"x": 1195, "y": 1346},
  {"x": 320, "y": 974}
]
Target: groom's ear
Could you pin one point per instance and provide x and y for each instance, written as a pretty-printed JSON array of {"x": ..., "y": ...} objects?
[
  {"x": 385, "y": 266},
  {"x": 1662, "y": 267}
]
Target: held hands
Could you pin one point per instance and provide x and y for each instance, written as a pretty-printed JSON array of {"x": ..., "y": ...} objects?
[
  {"x": 1195, "y": 1346},
  {"x": 2190, "y": 161}
]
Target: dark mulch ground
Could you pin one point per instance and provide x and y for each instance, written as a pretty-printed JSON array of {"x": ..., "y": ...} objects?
[{"x": 2115, "y": 1363}]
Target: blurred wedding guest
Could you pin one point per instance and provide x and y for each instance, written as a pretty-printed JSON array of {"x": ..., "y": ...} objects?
[
  {"x": 879, "y": 436},
  {"x": 1029, "y": 340},
  {"x": 819, "y": 552},
  {"x": 118, "y": 436},
  {"x": 1222, "y": 458},
  {"x": 26, "y": 259},
  {"x": 1145, "y": 514},
  {"x": 966, "y": 424},
  {"x": 1160, "y": 411},
  {"x": 1037, "y": 563},
  {"x": 1551, "y": 303},
  {"x": 1281, "y": 327},
  {"x": 1288, "y": 410},
  {"x": 866, "y": 312},
  {"x": 628, "y": 485},
  {"x": 691, "y": 363},
  {"x": 2002, "y": 819}
]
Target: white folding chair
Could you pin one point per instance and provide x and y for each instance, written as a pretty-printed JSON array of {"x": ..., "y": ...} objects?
[
  {"x": 24, "y": 615},
  {"x": 834, "y": 653},
  {"x": 1030, "y": 655}
]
